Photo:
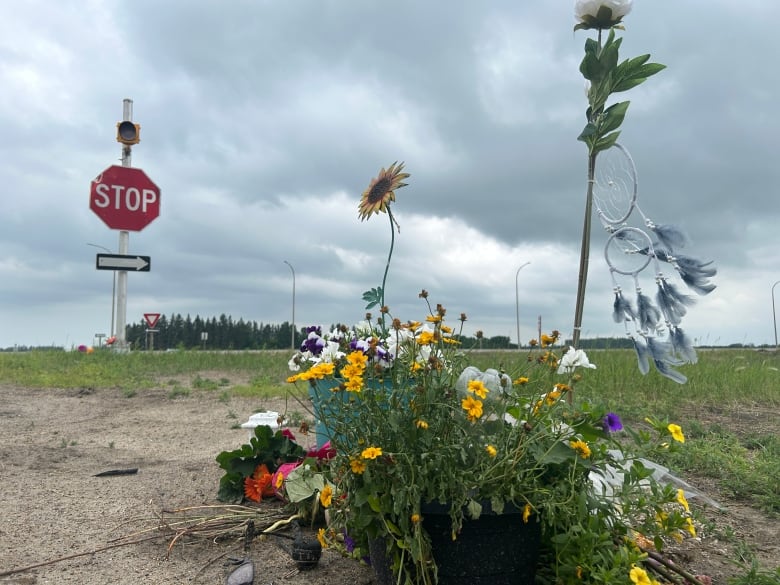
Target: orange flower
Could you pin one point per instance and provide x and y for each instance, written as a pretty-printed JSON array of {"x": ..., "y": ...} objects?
[{"x": 259, "y": 484}]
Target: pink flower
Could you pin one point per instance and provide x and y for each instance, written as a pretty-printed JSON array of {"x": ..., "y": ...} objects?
[
  {"x": 277, "y": 479},
  {"x": 324, "y": 452}
]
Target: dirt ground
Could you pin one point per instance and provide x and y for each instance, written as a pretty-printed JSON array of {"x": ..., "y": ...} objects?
[{"x": 53, "y": 442}]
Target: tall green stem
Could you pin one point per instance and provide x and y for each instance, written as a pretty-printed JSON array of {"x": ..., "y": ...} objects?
[
  {"x": 582, "y": 280},
  {"x": 584, "y": 252},
  {"x": 387, "y": 268}
]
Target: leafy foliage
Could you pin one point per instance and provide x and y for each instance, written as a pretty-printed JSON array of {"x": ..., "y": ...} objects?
[{"x": 266, "y": 447}]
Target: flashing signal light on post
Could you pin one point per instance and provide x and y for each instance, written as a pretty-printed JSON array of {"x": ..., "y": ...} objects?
[{"x": 128, "y": 132}]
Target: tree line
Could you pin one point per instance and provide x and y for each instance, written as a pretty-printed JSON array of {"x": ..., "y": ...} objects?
[{"x": 225, "y": 333}]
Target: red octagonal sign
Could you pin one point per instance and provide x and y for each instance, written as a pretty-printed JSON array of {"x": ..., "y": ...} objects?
[{"x": 124, "y": 198}]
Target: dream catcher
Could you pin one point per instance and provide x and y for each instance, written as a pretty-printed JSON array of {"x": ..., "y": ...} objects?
[{"x": 652, "y": 321}]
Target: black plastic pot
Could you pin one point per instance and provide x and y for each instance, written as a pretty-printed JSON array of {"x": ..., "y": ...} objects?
[{"x": 495, "y": 549}]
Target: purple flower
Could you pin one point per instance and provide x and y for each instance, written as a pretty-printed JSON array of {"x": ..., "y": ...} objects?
[
  {"x": 349, "y": 542},
  {"x": 612, "y": 422},
  {"x": 359, "y": 345},
  {"x": 313, "y": 343}
]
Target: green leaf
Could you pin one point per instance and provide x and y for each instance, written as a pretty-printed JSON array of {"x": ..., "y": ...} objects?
[
  {"x": 301, "y": 484},
  {"x": 589, "y": 130},
  {"x": 373, "y": 297},
  {"x": 606, "y": 142},
  {"x": 613, "y": 117}
]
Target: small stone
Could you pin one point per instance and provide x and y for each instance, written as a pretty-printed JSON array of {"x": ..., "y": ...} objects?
[{"x": 243, "y": 575}]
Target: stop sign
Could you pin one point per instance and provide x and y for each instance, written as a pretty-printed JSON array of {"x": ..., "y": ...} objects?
[{"x": 124, "y": 198}]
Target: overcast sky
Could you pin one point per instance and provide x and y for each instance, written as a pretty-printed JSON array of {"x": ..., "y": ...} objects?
[{"x": 262, "y": 121}]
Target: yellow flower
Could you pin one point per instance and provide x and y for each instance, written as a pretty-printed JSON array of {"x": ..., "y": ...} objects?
[
  {"x": 326, "y": 496},
  {"x": 357, "y": 358},
  {"x": 426, "y": 338},
  {"x": 580, "y": 447},
  {"x": 477, "y": 387},
  {"x": 548, "y": 340},
  {"x": 491, "y": 450},
  {"x": 473, "y": 407},
  {"x": 381, "y": 191},
  {"x": 639, "y": 576},
  {"x": 371, "y": 452},
  {"x": 415, "y": 518},
  {"x": 522, "y": 380},
  {"x": 279, "y": 481},
  {"x": 292, "y": 379},
  {"x": 352, "y": 371},
  {"x": 354, "y": 384},
  {"x": 552, "y": 397},
  {"x": 416, "y": 366},
  {"x": 681, "y": 500},
  {"x": 676, "y": 432},
  {"x": 421, "y": 424},
  {"x": 357, "y": 465},
  {"x": 689, "y": 527},
  {"x": 321, "y": 538},
  {"x": 526, "y": 513},
  {"x": 433, "y": 318},
  {"x": 320, "y": 370}
]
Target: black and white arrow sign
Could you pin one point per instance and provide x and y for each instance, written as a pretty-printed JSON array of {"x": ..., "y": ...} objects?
[{"x": 122, "y": 262}]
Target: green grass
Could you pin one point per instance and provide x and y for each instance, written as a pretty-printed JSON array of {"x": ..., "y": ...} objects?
[
  {"x": 718, "y": 406},
  {"x": 729, "y": 409}
]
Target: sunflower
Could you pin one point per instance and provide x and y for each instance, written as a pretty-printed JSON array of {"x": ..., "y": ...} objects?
[{"x": 381, "y": 190}]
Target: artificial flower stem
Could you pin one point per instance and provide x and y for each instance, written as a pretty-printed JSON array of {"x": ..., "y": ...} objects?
[{"x": 584, "y": 255}]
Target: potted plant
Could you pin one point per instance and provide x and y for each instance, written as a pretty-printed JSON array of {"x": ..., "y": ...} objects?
[{"x": 420, "y": 431}]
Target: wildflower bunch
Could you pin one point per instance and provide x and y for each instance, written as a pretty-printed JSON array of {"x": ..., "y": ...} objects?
[{"x": 429, "y": 423}]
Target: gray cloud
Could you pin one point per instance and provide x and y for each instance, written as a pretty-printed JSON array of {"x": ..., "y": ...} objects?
[{"x": 262, "y": 122}]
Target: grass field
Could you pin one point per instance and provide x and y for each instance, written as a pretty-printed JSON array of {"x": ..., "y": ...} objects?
[{"x": 729, "y": 409}]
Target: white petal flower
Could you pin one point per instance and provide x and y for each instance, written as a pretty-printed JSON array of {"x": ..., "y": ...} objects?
[
  {"x": 601, "y": 13},
  {"x": 572, "y": 359},
  {"x": 331, "y": 353}
]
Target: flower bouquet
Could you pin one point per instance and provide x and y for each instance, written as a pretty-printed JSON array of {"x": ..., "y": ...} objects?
[{"x": 419, "y": 426}]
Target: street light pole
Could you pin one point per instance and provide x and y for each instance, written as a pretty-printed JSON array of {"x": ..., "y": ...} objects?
[
  {"x": 774, "y": 316},
  {"x": 517, "y": 303},
  {"x": 113, "y": 286},
  {"x": 292, "y": 333}
]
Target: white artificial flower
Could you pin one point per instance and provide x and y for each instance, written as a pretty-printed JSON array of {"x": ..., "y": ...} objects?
[
  {"x": 396, "y": 340},
  {"x": 587, "y": 12},
  {"x": 294, "y": 364},
  {"x": 331, "y": 353},
  {"x": 572, "y": 359}
]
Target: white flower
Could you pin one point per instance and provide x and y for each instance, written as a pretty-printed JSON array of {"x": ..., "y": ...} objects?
[
  {"x": 572, "y": 359},
  {"x": 601, "y": 13},
  {"x": 331, "y": 353},
  {"x": 294, "y": 363}
]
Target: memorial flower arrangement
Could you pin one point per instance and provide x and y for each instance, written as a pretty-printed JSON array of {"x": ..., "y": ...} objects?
[{"x": 414, "y": 422}]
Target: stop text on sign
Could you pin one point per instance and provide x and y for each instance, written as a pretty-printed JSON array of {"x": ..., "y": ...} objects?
[
  {"x": 129, "y": 198},
  {"x": 124, "y": 198}
]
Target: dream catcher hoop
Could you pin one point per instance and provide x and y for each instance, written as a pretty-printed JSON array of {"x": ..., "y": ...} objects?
[
  {"x": 615, "y": 185},
  {"x": 630, "y": 251}
]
